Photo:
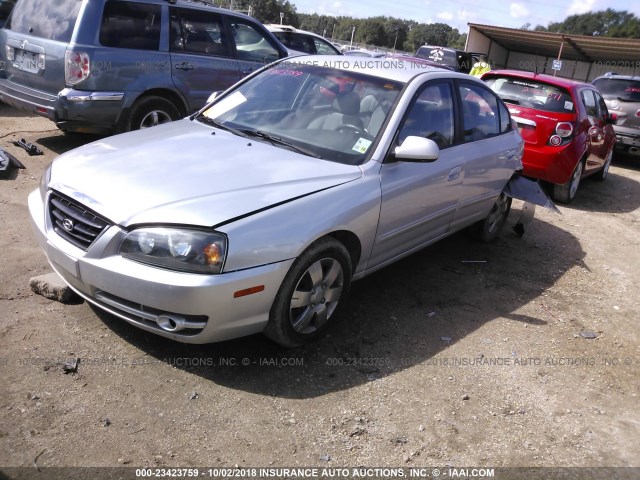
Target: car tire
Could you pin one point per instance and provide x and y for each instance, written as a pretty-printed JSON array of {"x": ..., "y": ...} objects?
[
  {"x": 566, "y": 192},
  {"x": 151, "y": 111},
  {"x": 603, "y": 173},
  {"x": 488, "y": 229},
  {"x": 302, "y": 311}
]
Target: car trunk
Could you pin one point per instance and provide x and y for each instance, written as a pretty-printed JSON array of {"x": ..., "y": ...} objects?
[{"x": 536, "y": 127}]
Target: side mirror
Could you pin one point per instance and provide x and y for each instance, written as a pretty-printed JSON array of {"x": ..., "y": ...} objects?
[{"x": 417, "y": 149}]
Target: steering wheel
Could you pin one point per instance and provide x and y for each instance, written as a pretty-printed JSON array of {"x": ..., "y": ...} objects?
[{"x": 350, "y": 127}]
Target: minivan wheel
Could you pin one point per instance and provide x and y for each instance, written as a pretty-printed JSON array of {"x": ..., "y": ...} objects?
[
  {"x": 311, "y": 295},
  {"x": 152, "y": 111},
  {"x": 566, "y": 192}
]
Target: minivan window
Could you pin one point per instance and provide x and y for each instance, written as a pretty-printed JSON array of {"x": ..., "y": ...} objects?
[
  {"x": 130, "y": 25},
  {"x": 45, "y": 18},
  {"x": 193, "y": 31}
]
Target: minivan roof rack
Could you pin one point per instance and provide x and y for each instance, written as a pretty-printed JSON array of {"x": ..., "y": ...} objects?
[{"x": 206, "y": 2}]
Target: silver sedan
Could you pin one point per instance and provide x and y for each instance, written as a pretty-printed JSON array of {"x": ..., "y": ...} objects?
[{"x": 257, "y": 213}]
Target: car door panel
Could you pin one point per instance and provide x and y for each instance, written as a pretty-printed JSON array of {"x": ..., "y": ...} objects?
[{"x": 201, "y": 55}]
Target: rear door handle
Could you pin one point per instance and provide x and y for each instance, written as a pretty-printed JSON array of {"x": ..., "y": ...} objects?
[{"x": 184, "y": 66}]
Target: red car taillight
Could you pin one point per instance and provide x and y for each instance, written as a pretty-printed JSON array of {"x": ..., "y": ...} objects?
[
  {"x": 77, "y": 67},
  {"x": 562, "y": 135}
]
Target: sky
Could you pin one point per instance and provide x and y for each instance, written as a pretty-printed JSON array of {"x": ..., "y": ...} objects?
[{"x": 457, "y": 13}]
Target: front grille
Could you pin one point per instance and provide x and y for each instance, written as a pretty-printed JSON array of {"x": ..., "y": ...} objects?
[{"x": 75, "y": 223}]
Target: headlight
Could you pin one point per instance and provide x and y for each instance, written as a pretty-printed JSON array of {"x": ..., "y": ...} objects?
[
  {"x": 185, "y": 250},
  {"x": 44, "y": 182}
]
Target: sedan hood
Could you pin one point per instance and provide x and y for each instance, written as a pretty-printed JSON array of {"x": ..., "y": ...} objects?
[{"x": 188, "y": 173}]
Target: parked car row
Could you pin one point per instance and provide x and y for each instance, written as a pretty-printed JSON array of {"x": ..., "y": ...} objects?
[
  {"x": 217, "y": 243},
  {"x": 565, "y": 124}
]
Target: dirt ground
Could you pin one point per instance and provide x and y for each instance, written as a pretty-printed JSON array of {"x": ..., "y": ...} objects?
[{"x": 462, "y": 355}]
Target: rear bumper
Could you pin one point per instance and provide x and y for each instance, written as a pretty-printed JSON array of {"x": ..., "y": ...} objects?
[
  {"x": 625, "y": 140},
  {"x": 551, "y": 164},
  {"x": 72, "y": 110}
]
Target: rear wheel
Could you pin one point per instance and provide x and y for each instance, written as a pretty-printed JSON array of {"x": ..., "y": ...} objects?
[
  {"x": 604, "y": 172},
  {"x": 565, "y": 193},
  {"x": 488, "y": 229},
  {"x": 151, "y": 111},
  {"x": 311, "y": 295}
]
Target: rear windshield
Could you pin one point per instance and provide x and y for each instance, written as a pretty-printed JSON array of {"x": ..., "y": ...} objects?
[
  {"x": 439, "y": 55},
  {"x": 625, "y": 90},
  {"x": 532, "y": 94},
  {"x": 53, "y": 20}
]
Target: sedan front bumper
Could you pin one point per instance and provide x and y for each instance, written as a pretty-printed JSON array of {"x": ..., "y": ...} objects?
[{"x": 189, "y": 308}]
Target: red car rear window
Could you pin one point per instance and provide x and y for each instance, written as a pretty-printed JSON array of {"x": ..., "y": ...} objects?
[{"x": 532, "y": 94}]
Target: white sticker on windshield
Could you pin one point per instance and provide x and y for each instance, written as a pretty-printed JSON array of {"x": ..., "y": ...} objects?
[
  {"x": 226, "y": 104},
  {"x": 568, "y": 105},
  {"x": 362, "y": 145}
]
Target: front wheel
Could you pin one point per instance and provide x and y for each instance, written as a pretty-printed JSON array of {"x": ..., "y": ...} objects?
[
  {"x": 488, "y": 229},
  {"x": 311, "y": 294},
  {"x": 566, "y": 192},
  {"x": 151, "y": 111}
]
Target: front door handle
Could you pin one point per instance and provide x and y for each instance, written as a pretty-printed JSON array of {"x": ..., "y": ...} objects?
[
  {"x": 184, "y": 66},
  {"x": 454, "y": 173}
]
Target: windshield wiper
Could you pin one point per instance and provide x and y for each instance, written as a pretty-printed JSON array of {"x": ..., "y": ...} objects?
[
  {"x": 278, "y": 141},
  {"x": 222, "y": 126},
  {"x": 626, "y": 99},
  {"x": 510, "y": 100}
]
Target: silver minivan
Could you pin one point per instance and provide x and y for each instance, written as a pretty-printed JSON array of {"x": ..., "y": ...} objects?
[{"x": 105, "y": 66}]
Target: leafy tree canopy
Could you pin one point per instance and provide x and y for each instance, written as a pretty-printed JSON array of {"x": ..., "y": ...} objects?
[{"x": 606, "y": 23}]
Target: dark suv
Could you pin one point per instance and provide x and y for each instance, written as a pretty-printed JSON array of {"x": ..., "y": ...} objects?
[
  {"x": 622, "y": 95},
  {"x": 104, "y": 66}
]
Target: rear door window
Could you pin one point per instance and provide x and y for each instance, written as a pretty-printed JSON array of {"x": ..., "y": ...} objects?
[
  {"x": 481, "y": 116},
  {"x": 194, "y": 31},
  {"x": 53, "y": 20},
  {"x": 589, "y": 103},
  {"x": 130, "y": 25}
]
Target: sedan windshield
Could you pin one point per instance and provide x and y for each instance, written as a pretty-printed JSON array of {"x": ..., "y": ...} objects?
[{"x": 317, "y": 111}]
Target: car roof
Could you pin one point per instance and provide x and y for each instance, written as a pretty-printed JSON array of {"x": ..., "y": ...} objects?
[
  {"x": 616, "y": 76},
  {"x": 379, "y": 67},
  {"x": 550, "y": 79},
  {"x": 205, "y": 5},
  {"x": 274, "y": 27}
]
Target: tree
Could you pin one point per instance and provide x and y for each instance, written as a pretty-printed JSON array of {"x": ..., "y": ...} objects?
[
  {"x": 268, "y": 11},
  {"x": 607, "y": 23}
]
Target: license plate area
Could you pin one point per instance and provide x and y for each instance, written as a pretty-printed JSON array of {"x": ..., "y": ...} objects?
[{"x": 27, "y": 61}]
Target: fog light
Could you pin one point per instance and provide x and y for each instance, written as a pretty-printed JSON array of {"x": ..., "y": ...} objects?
[{"x": 555, "y": 140}]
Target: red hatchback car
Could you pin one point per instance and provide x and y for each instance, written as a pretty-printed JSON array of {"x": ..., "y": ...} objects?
[{"x": 564, "y": 123}]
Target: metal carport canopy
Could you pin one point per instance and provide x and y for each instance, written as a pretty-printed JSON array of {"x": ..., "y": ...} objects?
[{"x": 576, "y": 47}]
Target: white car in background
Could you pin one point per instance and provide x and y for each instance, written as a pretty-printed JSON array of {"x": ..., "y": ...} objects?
[{"x": 301, "y": 42}]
